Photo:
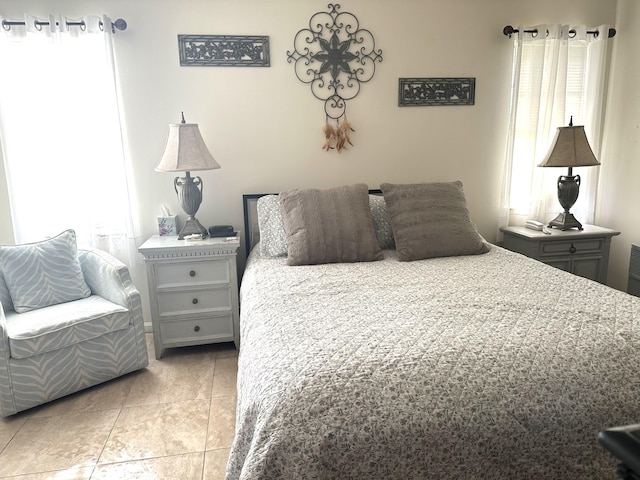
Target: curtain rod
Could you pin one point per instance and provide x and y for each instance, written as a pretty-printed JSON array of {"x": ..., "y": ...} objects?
[
  {"x": 120, "y": 24},
  {"x": 509, "y": 30}
]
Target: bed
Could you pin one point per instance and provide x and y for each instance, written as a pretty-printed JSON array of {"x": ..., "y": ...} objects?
[{"x": 481, "y": 365}]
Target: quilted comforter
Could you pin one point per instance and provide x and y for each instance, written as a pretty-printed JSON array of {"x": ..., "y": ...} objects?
[{"x": 490, "y": 366}]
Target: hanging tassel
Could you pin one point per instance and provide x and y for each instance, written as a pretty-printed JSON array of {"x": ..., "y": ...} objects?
[
  {"x": 330, "y": 135},
  {"x": 344, "y": 128}
]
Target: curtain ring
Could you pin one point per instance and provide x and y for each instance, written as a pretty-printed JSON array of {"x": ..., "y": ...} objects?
[
  {"x": 6, "y": 26},
  {"x": 572, "y": 33},
  {"x": 101, "y": 25},
  {"x": 83, "y": 26},
  {"x": 534, "y": 33},
  {"x": 37, "y": 25}
]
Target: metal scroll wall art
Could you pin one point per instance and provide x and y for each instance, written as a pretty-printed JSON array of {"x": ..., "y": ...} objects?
[
  {"x": 224, "y": 50},
  {"x": 335, "y": 56},
  {"x": 436, "y": 91}
]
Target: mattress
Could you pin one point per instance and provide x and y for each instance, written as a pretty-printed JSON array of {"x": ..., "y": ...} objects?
[{"x": 487, "y": 366}]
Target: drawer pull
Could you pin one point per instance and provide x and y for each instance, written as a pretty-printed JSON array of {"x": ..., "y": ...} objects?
[
  {"x": 194, "y": 301},
  {"x": 196, "y": 328},
  {"x": 192, "y": 273},
  {"x": 572, "y": 249}
]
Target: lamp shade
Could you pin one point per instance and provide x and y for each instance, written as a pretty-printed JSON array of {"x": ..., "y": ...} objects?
[
  {"x": 186, "y": 150},
  {"x": 570, "y": 148}
]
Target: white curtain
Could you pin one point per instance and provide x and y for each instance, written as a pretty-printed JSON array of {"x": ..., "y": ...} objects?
[
  {"x": 61, "y": 134},
  {"x": 558, "y": 73}
]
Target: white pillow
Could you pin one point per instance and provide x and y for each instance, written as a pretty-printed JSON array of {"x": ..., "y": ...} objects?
[
  {"x": 273, "y": 239},
  {"x": 381, "y": 222}
]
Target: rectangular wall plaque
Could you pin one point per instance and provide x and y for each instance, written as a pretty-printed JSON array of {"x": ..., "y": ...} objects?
[
  {"x": 224, "y": 50},
  {"x": 436, "y": 91}
]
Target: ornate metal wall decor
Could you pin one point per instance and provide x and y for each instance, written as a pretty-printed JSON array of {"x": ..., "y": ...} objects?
[
  {"x": 335, "y": 56},
  {"x": 224, "y": 50},
  {"x": 436, "y": 91}
]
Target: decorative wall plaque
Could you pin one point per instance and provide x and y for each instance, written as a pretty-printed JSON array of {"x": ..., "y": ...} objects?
[
  {"x": 436, "y": 91},
  {"x": 224, "y": 50},
  {"x": 335, "y": 56}
]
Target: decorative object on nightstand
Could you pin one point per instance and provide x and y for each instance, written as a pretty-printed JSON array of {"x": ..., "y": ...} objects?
[
  {"x": 193, "y": 290},
  {"x": 584, "y": 253},
  {"x": 218, "y": 231},
  {"x": 570, "y": 148},
  {"x": 186, "y": 151}
]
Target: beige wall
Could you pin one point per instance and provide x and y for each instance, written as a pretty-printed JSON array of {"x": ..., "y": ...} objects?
[
  {"x": 619, "y": 190},
  {"x": 264, "y": 126}
]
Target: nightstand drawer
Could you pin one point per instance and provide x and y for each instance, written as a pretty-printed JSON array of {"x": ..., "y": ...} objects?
[
  {"x": 194, "y": 301},
  {"x": 197, "y": 330},
  {"x": 578, "y": 247},
  {"x": 191, "y": 273}
]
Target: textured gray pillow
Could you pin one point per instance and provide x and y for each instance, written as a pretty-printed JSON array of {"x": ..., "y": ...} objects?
[
  {"x": 273, "y": 240},
  {"x": 329, "y": 226},
  {"x": 431, "y": 220},
  {"x": 44, "y": 273}
]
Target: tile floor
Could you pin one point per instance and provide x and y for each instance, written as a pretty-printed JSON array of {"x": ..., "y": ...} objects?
[{"x": 173, "y": 420}]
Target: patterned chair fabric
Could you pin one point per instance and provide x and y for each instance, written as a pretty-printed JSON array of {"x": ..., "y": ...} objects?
[{"x": 57, "y": 350}]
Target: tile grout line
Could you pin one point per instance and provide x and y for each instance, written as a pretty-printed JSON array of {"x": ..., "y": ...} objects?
[
  {"x": 206, "y": 437},
  {"x": 104, "y": 445}
]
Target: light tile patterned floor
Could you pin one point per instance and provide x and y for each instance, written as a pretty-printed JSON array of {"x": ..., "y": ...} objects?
[{"x": 173, "y": 420}]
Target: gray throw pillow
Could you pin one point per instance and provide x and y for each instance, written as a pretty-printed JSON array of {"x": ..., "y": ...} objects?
[
  {"x": 44, "y": 273},
  {"x": 431, "y": 220},
  {"x": 329, "y": 226}
]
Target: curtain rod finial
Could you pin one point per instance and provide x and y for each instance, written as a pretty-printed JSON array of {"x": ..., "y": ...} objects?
[
  {"x": 120, "y": 24},
  {"x": 508, "y": 31}
]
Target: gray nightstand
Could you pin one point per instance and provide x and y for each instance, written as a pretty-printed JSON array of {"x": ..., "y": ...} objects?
[
  {"x": 193, "y": 290},
  {"x": 585, "y": 253}
]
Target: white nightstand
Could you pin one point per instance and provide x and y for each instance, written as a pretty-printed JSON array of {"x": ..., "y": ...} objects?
[{"x": 193, "y": 290}]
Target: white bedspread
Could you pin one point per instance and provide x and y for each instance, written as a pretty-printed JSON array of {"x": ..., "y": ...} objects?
[{"x": 490, "y": 366}]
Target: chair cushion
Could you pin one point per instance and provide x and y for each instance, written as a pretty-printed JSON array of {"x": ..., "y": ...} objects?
[
  {"x": 44, "y": 273},
  {"x": 59, "y": 326}
]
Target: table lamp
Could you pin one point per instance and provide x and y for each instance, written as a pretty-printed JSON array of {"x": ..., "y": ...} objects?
[
  {"x": 186, "y": 151},
  {"x": 570, "y": 148}
]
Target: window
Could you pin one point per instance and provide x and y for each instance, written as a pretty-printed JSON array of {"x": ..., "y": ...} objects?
[
  {"x": 556, "y": 76},
  {"x": 61, "y": 136}
]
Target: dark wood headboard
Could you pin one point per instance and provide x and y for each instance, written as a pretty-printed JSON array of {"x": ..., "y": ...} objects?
[{"x": 250, "y": 212}]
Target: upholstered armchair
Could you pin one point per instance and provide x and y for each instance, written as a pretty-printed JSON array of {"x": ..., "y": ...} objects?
[{"x": 47, "y": 352}]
